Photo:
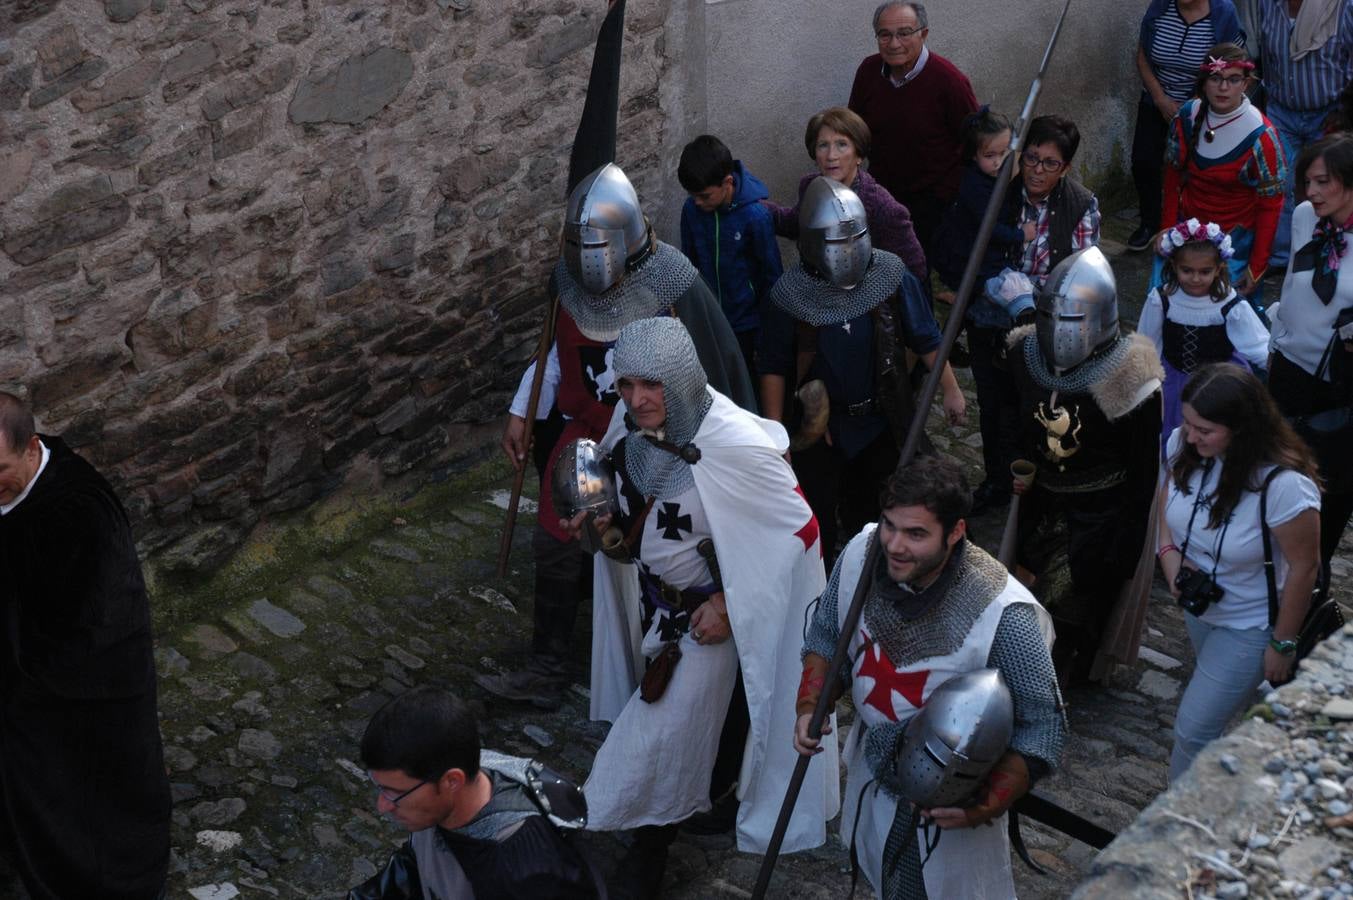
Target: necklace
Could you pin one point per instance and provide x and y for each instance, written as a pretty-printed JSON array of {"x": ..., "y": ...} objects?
[{"x": 1211, "y": 131}]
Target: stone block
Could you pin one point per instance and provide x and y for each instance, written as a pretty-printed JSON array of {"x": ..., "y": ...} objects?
[
  {"x": 124, "y": 10},
  {"x": 259, "y": 376},
  {"x": 176, "y": 162},
  {"x": 76, "y": 375},
  {"x": 339, "y": 273},
  {"x": 343, "y": 192},
  {"x": 59, "y": 51},
  {"x": 296, "y": 32},
  {"x": 193, "y": 58},
  {"x": 399, "y": 254},
  {"x": 67, "y": 82},
  {"x": 201, "y": 551},
  {"x": 46, "y": 239},
  {"x": 225, "y": 144},
  {"x": 548, "y": 49},
  {"x": 292, "y": 453},
  {"x": 14, "y": 83},
  {"x": 126, "y": 84},
  {"x": 15, "y": 165},
  {"x": 357, "y": 89},
  {"x": 50, "y": 271}
]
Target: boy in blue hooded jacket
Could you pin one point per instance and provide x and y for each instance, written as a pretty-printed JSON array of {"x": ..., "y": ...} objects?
[{"x": 727, "y": 233}]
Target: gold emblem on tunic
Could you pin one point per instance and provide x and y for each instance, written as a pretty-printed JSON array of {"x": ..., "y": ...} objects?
[{"x": 1063, "y": 429}]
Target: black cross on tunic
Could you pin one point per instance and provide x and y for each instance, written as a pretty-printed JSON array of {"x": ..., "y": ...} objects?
[{"x": 672, "y": 522}]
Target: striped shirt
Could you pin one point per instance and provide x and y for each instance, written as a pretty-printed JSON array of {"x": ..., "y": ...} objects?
[
  {"x": 1177, "y": 50},
  {"x": 1312, "y": 83}
]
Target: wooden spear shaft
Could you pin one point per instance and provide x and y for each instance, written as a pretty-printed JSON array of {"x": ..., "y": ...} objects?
[{"x": 532, "y": 405}]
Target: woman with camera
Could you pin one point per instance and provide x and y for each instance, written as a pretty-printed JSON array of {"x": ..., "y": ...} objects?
[{"x": 1211, "y": 546}]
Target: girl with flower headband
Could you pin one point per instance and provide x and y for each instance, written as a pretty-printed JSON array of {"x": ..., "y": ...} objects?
[
  {"x": 1312, "y": 362},
  {"x": 1195, "y": 317},
  {"x": 1225, "y": 164}
]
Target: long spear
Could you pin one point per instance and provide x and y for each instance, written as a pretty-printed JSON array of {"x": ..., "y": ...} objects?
[
  {"x": 593, "y": 147},
  {"x": 841, "y": 654}
]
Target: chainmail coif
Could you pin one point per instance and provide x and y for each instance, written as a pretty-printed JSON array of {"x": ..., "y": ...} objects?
[
  {"x": 651, "y": 289},
  {"x": 662, "y": 350},
  {"x": 818, "y": 302},
  {"x": 1079, "y": 379}
]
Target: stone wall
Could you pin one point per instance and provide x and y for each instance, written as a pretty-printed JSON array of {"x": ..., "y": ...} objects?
[
  {"x": 249, "y": 250},
  {"x": 1263, "y": 812}
]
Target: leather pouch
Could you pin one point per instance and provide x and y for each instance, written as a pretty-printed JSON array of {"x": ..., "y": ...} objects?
[{"x": 659, "y": 673}]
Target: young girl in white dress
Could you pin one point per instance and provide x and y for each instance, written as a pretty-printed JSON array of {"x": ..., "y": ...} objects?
[{"x": 1195, "y": 317}]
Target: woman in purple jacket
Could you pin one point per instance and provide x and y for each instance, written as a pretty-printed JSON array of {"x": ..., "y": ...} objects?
[{"x": 838, "y": 141}]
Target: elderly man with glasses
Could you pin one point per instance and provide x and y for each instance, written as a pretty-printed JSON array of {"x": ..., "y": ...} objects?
[
  {"x": 914, "y": 102},
  {"x": 482, "y": 824}
]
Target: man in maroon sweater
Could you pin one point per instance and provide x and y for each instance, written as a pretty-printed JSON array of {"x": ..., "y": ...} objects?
[{"x": 914, "y": 102}]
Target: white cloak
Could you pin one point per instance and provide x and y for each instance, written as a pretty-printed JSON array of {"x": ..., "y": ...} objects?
[{"x": 770, "y": 557}]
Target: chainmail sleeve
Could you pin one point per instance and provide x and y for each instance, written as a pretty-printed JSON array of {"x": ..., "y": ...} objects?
[
  {"x": 1040, "y": 727},
  {"x": 823, "y": 629}
]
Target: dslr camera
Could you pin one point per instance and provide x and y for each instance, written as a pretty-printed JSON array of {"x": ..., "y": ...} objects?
[{"x": 1197, "y": 590}]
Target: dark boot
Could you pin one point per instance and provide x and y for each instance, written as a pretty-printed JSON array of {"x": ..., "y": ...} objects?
[
  {"x": 639, "y": 875},
  {"x": 543, "y": 680}
]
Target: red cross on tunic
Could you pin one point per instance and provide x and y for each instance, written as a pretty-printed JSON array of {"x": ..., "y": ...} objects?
[
  {"x": 809, "y": 532},
  {"x": 875, "y": 664}
]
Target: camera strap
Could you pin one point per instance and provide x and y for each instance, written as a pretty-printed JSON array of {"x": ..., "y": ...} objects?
[{"x": 1188, "y": 533}]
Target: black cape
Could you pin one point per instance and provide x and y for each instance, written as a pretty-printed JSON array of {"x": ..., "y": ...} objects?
[{"x": 83, "y": 790}]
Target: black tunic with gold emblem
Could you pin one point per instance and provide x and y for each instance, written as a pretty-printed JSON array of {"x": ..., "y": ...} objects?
[{"x": 1097, "y": 453}]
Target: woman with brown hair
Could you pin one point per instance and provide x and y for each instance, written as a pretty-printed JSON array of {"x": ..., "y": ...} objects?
[
  {"x": 838, "y": 141},
  {"x": 1233, "y": 456}
]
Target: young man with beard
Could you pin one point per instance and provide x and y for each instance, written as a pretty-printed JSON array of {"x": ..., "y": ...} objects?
[{"x": 937, "y": 607}]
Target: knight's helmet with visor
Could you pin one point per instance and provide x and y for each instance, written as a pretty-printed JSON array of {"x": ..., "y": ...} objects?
[
  {"x": 956, "y": 739},
  {"x": 834, "y": 233},
  {"x": 1077, "y": 310},
  {"x": 605, "y": 232}
]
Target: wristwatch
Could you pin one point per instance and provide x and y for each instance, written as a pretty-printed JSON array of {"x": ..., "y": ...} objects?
[{"x": 1286, "y": 648}]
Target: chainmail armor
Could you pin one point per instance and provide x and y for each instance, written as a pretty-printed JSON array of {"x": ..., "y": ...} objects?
[
  {"x": 1040, "y": 732},
  {"x": 508, "y": 805},
  {"x": 661, "y": 350},
  {"x": 818, "y": 302},
  {"x": 650, "y": 290},
  {"x": 940, "y": 628},
  {"x": 1080, "y": 379}
]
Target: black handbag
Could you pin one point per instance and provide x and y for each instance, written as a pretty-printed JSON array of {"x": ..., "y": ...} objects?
[{"x": 1323, "y": 618}]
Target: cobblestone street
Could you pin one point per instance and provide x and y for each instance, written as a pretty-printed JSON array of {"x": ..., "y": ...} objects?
[{"x": 263, "y": 702}]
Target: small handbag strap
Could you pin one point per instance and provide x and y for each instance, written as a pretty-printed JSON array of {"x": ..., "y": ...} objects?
[{"x": 1269, "y": 574}]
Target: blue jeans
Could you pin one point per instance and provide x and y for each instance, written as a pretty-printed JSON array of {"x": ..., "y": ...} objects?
[
  {"x": 1229, "y": 666},
  {"x": 1296, "y": 128}
]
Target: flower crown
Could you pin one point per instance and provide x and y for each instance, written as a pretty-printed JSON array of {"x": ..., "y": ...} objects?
[
  {"x": 1217, "y": 66},
  {"x": 1193, "y": 230}
]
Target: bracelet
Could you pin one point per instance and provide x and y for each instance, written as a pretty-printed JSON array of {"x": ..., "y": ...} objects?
[{"x": 1166, "y": 549}]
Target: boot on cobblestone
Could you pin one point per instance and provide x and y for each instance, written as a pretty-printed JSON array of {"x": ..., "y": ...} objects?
[
  {"x": 544, "y": 679},
  {"x": 639, "y": 875}
]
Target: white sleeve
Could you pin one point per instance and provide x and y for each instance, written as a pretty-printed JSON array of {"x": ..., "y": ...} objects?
[
  {"x": 1248, "y": 334},
  {"x": 1151, "y": 324},
  {"x": 1289, "y": 494},
  {"x": 549, "y": 387}
]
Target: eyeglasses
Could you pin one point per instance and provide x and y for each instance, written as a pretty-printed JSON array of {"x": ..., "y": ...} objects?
[
  {"x": 1031, "y": 160},
  {"x": 395, "y": 798},
  {"x": 901, "y": 34},
  {"x": 1228, "y": 80}
]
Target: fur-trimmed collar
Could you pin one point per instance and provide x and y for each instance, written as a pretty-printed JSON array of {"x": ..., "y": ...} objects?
[{"x": 1128, "y": 386}]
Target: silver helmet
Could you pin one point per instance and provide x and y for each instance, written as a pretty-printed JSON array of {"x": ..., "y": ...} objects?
[
  {"x": 584, "y": 479},
  {"x": 955, "y": 740},
  {"x": 1077, "y": 310},
  {"x": 834, "y": 232},
  {"x": 604, "y": 229}
]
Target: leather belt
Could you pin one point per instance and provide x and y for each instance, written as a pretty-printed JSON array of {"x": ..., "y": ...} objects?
[
  {"x": 670, "y": 598},
  {"x": 863, "y": 408}
]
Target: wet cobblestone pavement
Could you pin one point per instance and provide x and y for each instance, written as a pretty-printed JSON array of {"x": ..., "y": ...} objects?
[{"x": 264, "y": 699}]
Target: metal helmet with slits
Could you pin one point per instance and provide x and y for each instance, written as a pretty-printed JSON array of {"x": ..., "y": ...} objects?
[
  {"x": 604, "y": 229},
  {"x": 955, "y": 740},
  {"x": 834, "y": 233},
  {"x": 1077, "y": 310}
]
